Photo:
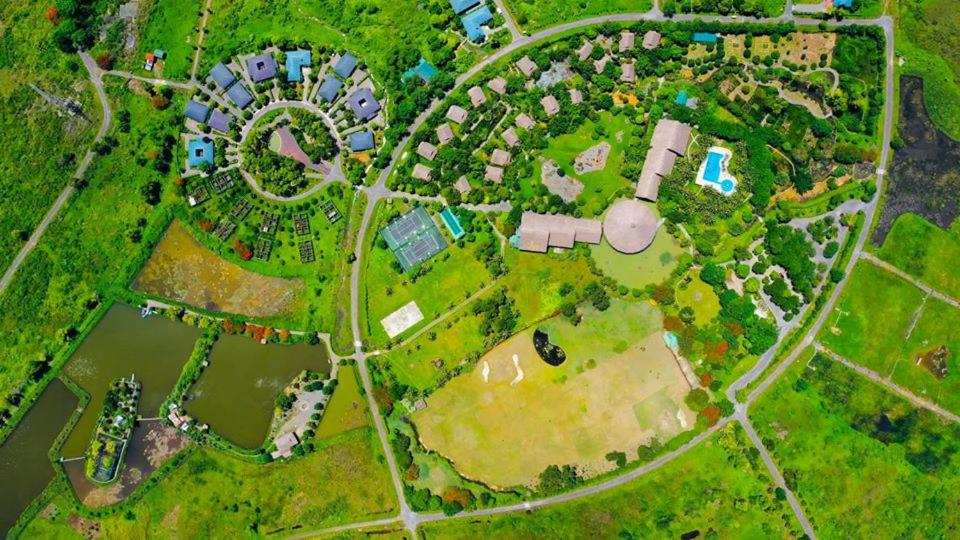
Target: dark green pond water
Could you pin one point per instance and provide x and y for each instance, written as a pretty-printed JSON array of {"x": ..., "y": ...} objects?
[
  {"x": 236, "y": 394},
  {"x": 25, "y": 468},
  {"x": 154, "y": 349}
]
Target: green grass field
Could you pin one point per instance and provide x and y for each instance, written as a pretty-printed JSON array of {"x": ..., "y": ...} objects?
[
  {"x": 347, "y": 409},
  {"x": 867, "y": 331},
  {"x": 765, "y": 8},
  {"x": 862, "y": 461},
  {"x": 936, "y": 327},
  {"x": 701, "y": 298},
  {"x": 170, "y": 25},
  {"x": 719, "y": 486},
  {"x": 532, "y": 15},
  {"x": 651, "y": 266},
  {"x": 535, "y": 279},
  {"x": 924, "y": 251},
  {"x": 212, "y": 494}
]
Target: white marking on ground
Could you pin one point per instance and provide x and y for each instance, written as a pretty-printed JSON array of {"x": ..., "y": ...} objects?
[
  {"x": 682, "y": 419},
  {"x": 486, "y": 371},
  {"x": 516, "y": 364},
  {"x": 402, "y": 319}
]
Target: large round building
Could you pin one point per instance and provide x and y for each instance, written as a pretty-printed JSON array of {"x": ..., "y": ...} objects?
[{"x": 629, "y": 226}]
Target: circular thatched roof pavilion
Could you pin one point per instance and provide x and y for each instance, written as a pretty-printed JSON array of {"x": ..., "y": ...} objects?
[{"x": 629, "y": 226}]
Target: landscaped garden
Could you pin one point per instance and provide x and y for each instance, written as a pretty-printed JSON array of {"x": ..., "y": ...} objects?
[{"x": 110, "y": 440}]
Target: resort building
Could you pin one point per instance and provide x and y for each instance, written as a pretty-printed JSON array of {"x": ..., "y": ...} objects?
[
  {"x": 550, "y": 105},
  {"x": 576, "y": 97},
  {"x": 424, "y": 70},
  {"x": 629, "y": 226},
  {"x": 295, "y": 62},
  {"x": 240, "y": 96},
  {"x": 494, "y": 174},
  {"x": 462, "y": 6},
  {"x": 457, "y": 114},
  {"x": 477, "y": 97},
  {"x": 198, "y": 112},
  {"x": 199, "y": 151},
  {"x": 361, "y": 141},
  {"x": 669, "y": 140},
  {"x": 651, "y": 40},
  {"x": 539, "y": 232},
  {"x": 628, "y": 72},
  {"x": 462, "y": 185},
  {"x": 511, "y": 138},
  {"x": 222, "y": 76},
  {"x": 285, "y": 444},
  {"x": 524, "y": 121},
  {"x": 444, "y": 133},
  {"x": 526, "y": 66},
  {"x": 345, "y": 66},
  {"x": 498, "y": 85},
  {"x": 363, "y": 104},
  {"x": 601, "y": 64},
  {"x": 330, "y": 89},
  {"x": 585, "y": 51},
  {"x": 421, "y": 172},
  {"x": 261, "y": 67},
  {"x": 473, "y": 23},
  {"x": 627, "y": 40},
  {"x": 427, "y": 151},
  {"x": 500, "y": 158},
  {"x": 220, "y": 121}
]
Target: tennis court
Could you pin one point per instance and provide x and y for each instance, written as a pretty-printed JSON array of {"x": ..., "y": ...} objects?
[{"x": 413, "y": 238}]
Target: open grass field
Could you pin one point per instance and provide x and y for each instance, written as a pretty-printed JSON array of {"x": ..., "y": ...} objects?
[
  {"x": 347, "y": 409},
  {"x": 926, "y": 252},
  {"x": 719, "y": 488},
  {"x": 39, "y": 150},
  {"x": 185, "y": 271},
  {"x": 618, "y": 388},
  {"x": 212, "y": 494},
  {"x": 862, "y": 462},
  {"x": 600, "y": 186},
  {"x": 532, "y": 15},
  {"x": 868, "y": 331},
  {"x": 535, "y": 279},
  {"x": 937, "y": 327},
  {"x": 170, "y": 25},
  {"x": 651, "y": 266},
  {"x": 700, "y": 297},
  {"x": 764, "y": 8}
]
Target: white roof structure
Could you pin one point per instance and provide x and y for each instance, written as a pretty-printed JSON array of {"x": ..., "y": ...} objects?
[
  {"x": 284, "y": 444},
  {"x": 444, "y": 133},
  {"x": 584, "y": 51},
  {"x": 627, "y": 39},
  {"x": 651, "y": 40},
  {"x": 524, "y": 121},
  {"x": 670, "y": 139},
  {"x": 629, "y": 226},
  {"x": 500, "y": 158},
  {"x": 421, "y": 172},
  {"x": 477, "y": 97},
  {"x": 494, "y": 174},
  {"x": 629, "y": 72},
  {"x": 511, "y": 138},
  {"x": 427, "y": 150},
  {"x": 526, "y": 66},
  {"x": 576, "y": 97},
  {"x": 550, "y": 105},
  {"x": 539, "y": 232},
  {"x": 457, "y": 114},
  {"x": 498, "y": 85}
]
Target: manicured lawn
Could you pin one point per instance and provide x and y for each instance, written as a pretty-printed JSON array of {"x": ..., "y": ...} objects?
[
  {"x": 171, "y": 25},
  {"x": 700, "y": 297},
  {"x": 926, "y": 252},
  {"x": 938, "y": 326},
  {"x": 719, "y": 486},
  {"x": 212, "y": 494},
  {"x": 651, "y": 266},
  {"x": 618, "y": 388},
  {"x": 863, "y": 462},
  {"x": 600, "y": 186},
  {"x": 347, "y": 409},
  {"x": 533, "y": 15},
  {"x": 868, "y": 331}
]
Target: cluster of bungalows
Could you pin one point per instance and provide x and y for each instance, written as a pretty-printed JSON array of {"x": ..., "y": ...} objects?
[
  {"x": 474, "y": 15},
  {"x": 669, "y": 142},
  {"x": 361, "y": 102},
  {"x": 539, "y": 232}
]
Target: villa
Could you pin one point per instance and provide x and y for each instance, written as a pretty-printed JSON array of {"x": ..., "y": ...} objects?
[
  {"x": 524, "y": 121},
  {"x": 239, "y": 95},
  {"x": 296, "y": 61},
  {"x": 511, "y": 138},
  {"x": 494, "y": 174},
  {"x": 477, "y": 97},
  {"x": 462, "y": 185},
  {"x": 285, "y": 444},
  {"x": 550, "y": 105},
  {"x": 363, "y": 104},
  {"x": 669, "y": 140},
  {"x": 576, "y": 96},
  {"x": 526, "y": 66},
  {"x": 627, "y": 40},
  {"x": 651, "y": 40},
  {"x": 629, "y": 72},
  {"x": 584, "y": 52},
  {"x": 424, "y": 70},
  {"x": 222, "y": 76},
  {"x": 539, "y": 232},
  {"x": 427, "y": 151},
  {"x": 500, "y": 158},
  {"x": 462, "y": 6},
  {"x": 345, "y": 66},
  {"x": 444, "y": 133},
  {"x": 261, "y": 67},
  {"x": 330, "y": 89},
  {"x": 457, "y": 114},
  {"x": 361, "y": 141},
  {"x": 601, "y": 64},
  {"x": 220, "y": 121},
  {"x": 198, "y": 112},
  {"x": 498, "y": 85},
  {"x": 713, "y": 171},
  {"x": 421, "y": 172},
  {"x": 199, "y": 151},
  {"x": 473, "y": 23}
]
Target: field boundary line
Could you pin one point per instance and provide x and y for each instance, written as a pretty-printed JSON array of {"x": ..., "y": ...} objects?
[{"x": 884, "y": 265}]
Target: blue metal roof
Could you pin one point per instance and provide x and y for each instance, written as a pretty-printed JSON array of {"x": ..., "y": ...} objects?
[
  {"x": 239, "y": 95},
  {"x": 222, "y": 76},
  {"x": 459, "y": 6},
  {"x": 848, "y": 4},
  {"x": 473, "y": 21},
  {"x": 199, "y": 151},
  {"x": 198, "y": 112},
  {"x": 330, "y": 88},
  {"x": 345, "y": 65},
  {"x": 705, "y": 37},
  {"x": 682, "y": 98},
  {"x": 363, "y": 104},
  {"x": 361, "y": 141},
  {"x": 262, "y": 67},
  {"x": 220, "y": 121},
  {"x": 296, "y": 61},
  {"x": 425, "y": 70}
]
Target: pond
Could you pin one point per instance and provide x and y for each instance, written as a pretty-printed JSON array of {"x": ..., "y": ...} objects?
[
  {"x": 236, "y": 393},
  {"x": 25, "y": 468},
  {"x": 154, "y": 349},
  {"x": 547, "y": 351}
]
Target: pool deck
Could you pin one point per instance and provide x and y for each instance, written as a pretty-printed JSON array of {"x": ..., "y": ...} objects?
[{"x": 714, "y": 174}]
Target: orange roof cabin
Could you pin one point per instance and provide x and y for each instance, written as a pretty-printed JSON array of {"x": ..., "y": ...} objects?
[{"x": 149, "y": 60}]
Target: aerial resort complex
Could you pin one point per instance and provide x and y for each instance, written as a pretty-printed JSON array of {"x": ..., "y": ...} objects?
[{"x": 419, "y": 269}]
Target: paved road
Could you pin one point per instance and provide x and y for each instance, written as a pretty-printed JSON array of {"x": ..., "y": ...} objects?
[
  {"x": 67, "y": 192},
  {"x": 892, "y": 386},
  {"x": 867, "y": 256},
  {"x": 515, "y": 33}
]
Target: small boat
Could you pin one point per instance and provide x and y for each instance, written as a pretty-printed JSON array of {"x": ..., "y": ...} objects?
[{"x": 146, "y": 312}]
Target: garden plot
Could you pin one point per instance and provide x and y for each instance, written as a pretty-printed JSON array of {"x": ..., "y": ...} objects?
[
  {"x": 183, "y": 270},
  {"x": 618, "y": 388},
  {"x": 558, "y": 183}
]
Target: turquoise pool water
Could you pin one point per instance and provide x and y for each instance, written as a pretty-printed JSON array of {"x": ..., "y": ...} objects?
[
  {"x": 452, "y": 223},
  {"x": 712, "y": 171}
]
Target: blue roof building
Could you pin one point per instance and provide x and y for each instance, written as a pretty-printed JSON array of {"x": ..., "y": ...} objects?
[
  {"x": 199, "y": 151},
  {"x": 345, "y": 66},
  {"x": 682, "y": 98},
  {"x": 239, "y": 95},
  {"x": 198, "y": 112},
  {"x": 296, "y": 61},
  {"x": 847, "y": 4},
  {"x": 363, "y": 104},
  {"x": 220, "y": 121},
  {"x": 262, "y": 67},
  {"x": 460, "y": 6},
  {"x": 473, "y": 21},
  {"x": 361, "y": 141},
  {"x": 423, "y": 69},
  {"x": 704, "y": 37},
  {"x": 330, "y": 89},
  {"x": 222, "y": 76}
]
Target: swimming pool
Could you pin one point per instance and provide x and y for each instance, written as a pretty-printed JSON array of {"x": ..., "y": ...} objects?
[
  {"x": 712, "y": 171},
  {"x": 452, "y": 223}
]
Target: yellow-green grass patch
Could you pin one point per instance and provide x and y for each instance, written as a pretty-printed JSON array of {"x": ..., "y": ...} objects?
[
  {"x": 926, "y": 252},
  {"x": 618, "y": 389},
  {"x": 347, "y": 409},
  {"x": 700, "y": 297},
  {"x": 533, "y": 15},
  {"x": 651, "y": 266},
  {"x": 937, "y": 327},
  {"x": 535, "y": 279}
]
